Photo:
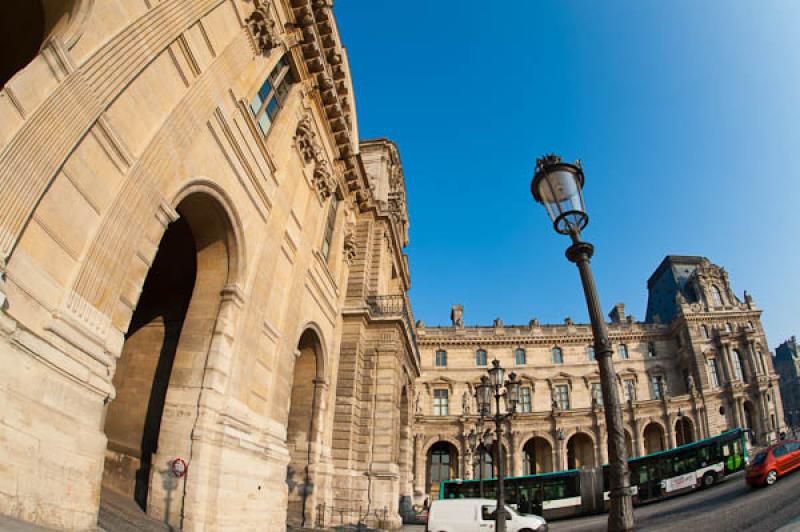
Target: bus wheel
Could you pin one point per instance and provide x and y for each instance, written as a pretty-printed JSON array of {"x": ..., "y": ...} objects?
[
  {"x": 772, "y": 478},
  {"x": 709, "y": 479}
]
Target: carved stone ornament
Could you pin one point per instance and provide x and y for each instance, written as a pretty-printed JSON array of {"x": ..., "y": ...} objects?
[
  {"x": 323, "y": 181},
  {"x": 306, "y": 139},
  {"x": 350, "y": 248},
  {"x": 263, "y": 28}
]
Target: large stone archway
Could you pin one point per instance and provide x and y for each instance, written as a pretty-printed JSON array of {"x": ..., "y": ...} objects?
[
  {"x": 654, "y": 440},
  {"x": 537, "y": 456},
  {"x": 580, "y": 451},
  {"x": 684, "y": 431},
  {"x": 304, "y": 429},
  {"x": 162, "y": 366},
  {"x": 442, "y": 465}
]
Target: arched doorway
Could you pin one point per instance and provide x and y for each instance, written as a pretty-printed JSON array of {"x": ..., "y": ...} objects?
[
  {"x": 653, "y": 438},
  {"x": 580, "y": 451},
  {"x": 629, "y": 444},
  {"x": 537, "y": 457},
  {"x": 684, "y": 431},
  {"x": 303, "y": 428},
  {"x": 24, "y": 26},
  {"x": 442, "y": 465},
  {"x": 159, "y": 374}
]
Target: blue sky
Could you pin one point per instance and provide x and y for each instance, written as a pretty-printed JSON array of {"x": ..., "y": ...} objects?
[{"x": 685, "y": 113}]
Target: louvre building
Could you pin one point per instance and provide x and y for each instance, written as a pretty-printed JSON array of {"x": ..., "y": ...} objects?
[{"x": 204, "y": 319}]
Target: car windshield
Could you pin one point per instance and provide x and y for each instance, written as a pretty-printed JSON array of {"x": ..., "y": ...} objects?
[{"x": 759, "y": 459}]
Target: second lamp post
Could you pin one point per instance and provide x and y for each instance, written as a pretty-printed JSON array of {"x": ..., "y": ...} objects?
[{"x": 495, "y": 384}]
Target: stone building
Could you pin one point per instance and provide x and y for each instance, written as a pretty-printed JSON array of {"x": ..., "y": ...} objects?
[
  {"x": 696, "y": 367},
  {"x": 787, "y": 364},
  {"x": 201, "y": 261}
]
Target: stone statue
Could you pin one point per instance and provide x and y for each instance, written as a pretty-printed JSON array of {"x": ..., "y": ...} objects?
[
  {"x": 418, "y": 402},
  {"x": 466, "y": 403},
  {"x": 690, "y": 384}
]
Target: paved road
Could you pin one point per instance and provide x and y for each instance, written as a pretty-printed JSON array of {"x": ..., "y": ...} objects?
[{"x": 728, "y": 506}]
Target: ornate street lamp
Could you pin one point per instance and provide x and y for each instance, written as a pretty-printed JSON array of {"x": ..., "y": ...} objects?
[
  {"x": 559, "y": 187},
  {"x": 496, "y": 385},
  {"x": 680, "y": 424}
]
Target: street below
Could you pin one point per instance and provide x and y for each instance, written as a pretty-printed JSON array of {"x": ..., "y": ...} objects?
[{"x": 731, "y": 505}]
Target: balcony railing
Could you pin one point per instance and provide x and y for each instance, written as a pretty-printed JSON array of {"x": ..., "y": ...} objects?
[{"x": 394, "y": 306}]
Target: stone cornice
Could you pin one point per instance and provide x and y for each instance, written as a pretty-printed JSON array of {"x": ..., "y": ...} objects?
[{"x": 455, "y": 338}]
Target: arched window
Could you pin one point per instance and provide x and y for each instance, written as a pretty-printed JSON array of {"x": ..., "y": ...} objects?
[
  {"x": 519, "y": 356},
  {"x": 716, "y": 296},
  {"x": 558, "y": 356},
  {"x": 441, "y": 358},
  {"x": 480, "y": 357}
]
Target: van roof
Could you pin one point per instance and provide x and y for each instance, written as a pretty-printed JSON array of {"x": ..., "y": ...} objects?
[{"x": 491, "y": 502}]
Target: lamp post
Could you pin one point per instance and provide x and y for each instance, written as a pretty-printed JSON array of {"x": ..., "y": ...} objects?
[
  {"x": 680, "y": 425},
  {"x": 495, "y": 384},
  {"x": 558, "y": 187}
]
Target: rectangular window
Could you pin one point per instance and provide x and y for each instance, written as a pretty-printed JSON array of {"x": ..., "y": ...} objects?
[
  {"x": 623, "y": 351},
  {"x": 519, "y": 356},
  {"x": 562, "y": 396},
  {"x": 713, "y": 375},
  {"x": 330, "y": 225},
  {"x": 558, "y": 355},
  {"x": 651, "y": 349},
  {"x": 271, "y": 96},
  {"x": 440, "y": 403},
  {"x": 629, "y": 386},
  {"x": 525, "y": 400},
  {"x": 597, "y": 393},
  {"x": 590, "y": 354},
  {"x": 657, "y": 382},
  {"x": 441, "y": 358},
  {"x": 480, "y": 357},
  {"x": 737, "y": 365}
]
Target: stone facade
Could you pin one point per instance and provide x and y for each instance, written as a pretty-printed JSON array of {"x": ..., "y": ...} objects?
[
  {"x": 702, "y": 370},
  {"x": 787, "y": 364},
  {"x": 200, "y": 260}
]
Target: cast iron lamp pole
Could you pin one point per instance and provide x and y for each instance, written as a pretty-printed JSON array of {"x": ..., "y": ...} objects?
[
  {"x": 477, "y": 448},
  {"x": 558, "y": 186},
  {"x": 680, "y": 424},
  {"x": 497, "y": 386}
]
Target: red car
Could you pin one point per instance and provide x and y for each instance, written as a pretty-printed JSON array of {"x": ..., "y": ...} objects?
[{"x": 773, "y": 462}]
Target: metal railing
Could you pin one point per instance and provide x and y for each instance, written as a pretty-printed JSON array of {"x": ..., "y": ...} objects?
[
  {"x": 360, "y": 518},
  {"x": 392, "y": 306}
]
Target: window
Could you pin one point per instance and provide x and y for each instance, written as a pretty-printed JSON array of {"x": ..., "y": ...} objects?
[
  {"x": 737, "y": 365},
  {"x": 440, "y": 464},
  {"x": 629, "y": 388},
  {"x": 525, "y": 400},
  {"x": 704, "y": 332},
  {"x": 519, "y": 356},
  {"x": 440, "y": 403},
  {"x": 623, "y": 351},
  {"x": 713, "y": 373},
  {"x": 558, "y": 356},
  {"x": 716, "y": 296},
  {"x": 562, "y": 396},
  {"x": 750, "y": 325},
  {"x": 330, "y": 225},
  {"x": 763, "y": 362},
  {"x": 441, "y": 358},
  {"x": 657, "y": 382},
  {"x": 597, "y": 393},
  {"x": 272, "y": 95},
  {"x": 728, "y": 327},
  {"x": 651, "y": 349},
  {"x": 590, "y": 354},
  {"x": 480, "y": 357}
]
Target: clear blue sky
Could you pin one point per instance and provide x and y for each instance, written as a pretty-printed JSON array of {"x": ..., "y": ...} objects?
[{"x": 686, "y": 114}]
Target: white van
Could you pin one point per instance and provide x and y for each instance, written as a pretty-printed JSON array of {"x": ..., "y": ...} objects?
[{"x": 477, "y": 515}]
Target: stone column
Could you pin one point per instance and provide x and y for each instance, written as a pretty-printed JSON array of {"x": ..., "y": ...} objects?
[
  {"x": 726, "y": 363},
  {"x": 638, "y": 439},
  {"x": 672, "y": 441},
  {"x": 419, "y": 469}
]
